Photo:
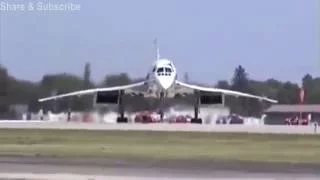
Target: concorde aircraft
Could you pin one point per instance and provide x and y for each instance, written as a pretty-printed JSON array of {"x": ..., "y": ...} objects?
[{"x": 160, "y": 80}]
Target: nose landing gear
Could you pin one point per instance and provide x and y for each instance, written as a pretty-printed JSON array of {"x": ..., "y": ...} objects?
[
  {"x": 194, "y": 120},
  {"x": 161, "y": 107}
]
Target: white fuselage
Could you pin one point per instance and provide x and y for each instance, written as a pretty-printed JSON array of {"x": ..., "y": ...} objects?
[{"x": 162, "y": 75}]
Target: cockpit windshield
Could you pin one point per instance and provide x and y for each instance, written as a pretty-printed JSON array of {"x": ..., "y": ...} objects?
[
  {"x": 160, "y": 70},
  {"x": 168, "y": 70},
  {"x": 164, "y": 71}
]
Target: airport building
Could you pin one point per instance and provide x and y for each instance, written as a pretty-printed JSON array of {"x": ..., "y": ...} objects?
[{"x": 278, "y": 113}]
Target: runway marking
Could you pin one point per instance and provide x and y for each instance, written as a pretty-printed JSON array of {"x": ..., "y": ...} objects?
[
  {"x": 31, "y": 176},
  {"x": 274, "y": 129}
]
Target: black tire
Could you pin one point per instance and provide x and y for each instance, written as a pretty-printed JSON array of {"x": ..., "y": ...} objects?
[
  {"x": 196, "y": 121},
  {"x": 122, "y": 120}
]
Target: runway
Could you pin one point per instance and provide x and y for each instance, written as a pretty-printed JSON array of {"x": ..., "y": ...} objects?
[
  {"x": 274, "y": 129},
  {"x": 37, "y": 168},
  {"x": 53, "y": 169}
]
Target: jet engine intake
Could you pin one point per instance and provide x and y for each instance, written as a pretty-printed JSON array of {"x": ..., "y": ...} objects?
[
  {"x": 211, "y": 99},
  {"x": 107, "y": 97}
]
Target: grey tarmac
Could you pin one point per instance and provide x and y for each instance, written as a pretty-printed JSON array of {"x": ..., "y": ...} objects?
[
  {"x": 52, "y": 168},
  {"x": 274, "y": 129},
  {"x": 89, "y": 169}
]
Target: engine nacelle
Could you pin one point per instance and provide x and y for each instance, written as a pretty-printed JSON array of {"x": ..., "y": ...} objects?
[
  {"x": 106, "y": 97},
  {"x": 211, "y": 99}
]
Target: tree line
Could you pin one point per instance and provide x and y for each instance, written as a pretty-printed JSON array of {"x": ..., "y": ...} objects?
[{"x": 16, "y": 91}]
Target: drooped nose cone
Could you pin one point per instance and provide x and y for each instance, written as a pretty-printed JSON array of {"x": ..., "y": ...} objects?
[{"x": 166, "y": 82}]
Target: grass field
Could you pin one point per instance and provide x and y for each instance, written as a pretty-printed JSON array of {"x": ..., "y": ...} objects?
[{"x": 161, "y": 145}]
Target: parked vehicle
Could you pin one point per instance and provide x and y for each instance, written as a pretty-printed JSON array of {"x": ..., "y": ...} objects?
[
  {"x": 235, "y": 120},
  {"x": 145, "y": 117},
  {"x": 296, "y": 121}
]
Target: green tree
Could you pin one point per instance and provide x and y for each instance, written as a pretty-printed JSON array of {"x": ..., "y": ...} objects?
[
  {"x": 240, "y": 83},
  {"x": 243, "y": 105},
  {"x": 312, "y": 91},
  {"x": 87, "y": 76},
  {"x": 4, "y": 104},
  {"x": 307, "y": 84},
  {"x": 223, "y": 85},
  {"x": 117, "y": 80},
  {"x": 85, "y": 102},
  {"x": 61, "y": 83},
  {"x": 186, "y": 77},
  {"x": 23, "y": 92},
  {"x": 240, "y": 80},
  {"x": 307, "y": 81},
  {"x": 289, "y": 93}
]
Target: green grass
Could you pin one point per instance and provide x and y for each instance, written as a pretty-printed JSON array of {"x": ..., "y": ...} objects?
[{"x": 161, "y": 145}]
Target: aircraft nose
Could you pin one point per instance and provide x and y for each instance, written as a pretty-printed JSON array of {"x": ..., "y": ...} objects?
[{"x": 165, "y": 82}]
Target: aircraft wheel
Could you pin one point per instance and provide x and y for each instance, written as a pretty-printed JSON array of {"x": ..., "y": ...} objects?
[
  {"x": 122, "y": 120},
  {"x": 196, "y": 121}
]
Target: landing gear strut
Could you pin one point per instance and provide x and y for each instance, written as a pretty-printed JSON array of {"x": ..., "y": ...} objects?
[
  {"x": 121, "y": 118},
  {"x": 196, "y": 109},
  {"x": 161, "y": 106}
]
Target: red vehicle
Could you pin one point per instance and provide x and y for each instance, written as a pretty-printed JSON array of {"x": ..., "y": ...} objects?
[
  {"x": 304, "y": 122},
  {"x": 181, "y": 119},
  {"x": 144, "y": 117},
  {"x": 296, "y": 121},
  {"x": 87, "y": 118},
  {"x": 287, "y": 121}
]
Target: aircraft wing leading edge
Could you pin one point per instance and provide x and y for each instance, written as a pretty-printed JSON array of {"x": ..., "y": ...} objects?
[
  {"x": 90, "y": 91},
  {"x": 225, "y": 91}
]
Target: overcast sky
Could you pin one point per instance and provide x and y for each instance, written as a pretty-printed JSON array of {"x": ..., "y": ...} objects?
[{"x": 206, "y": 38}]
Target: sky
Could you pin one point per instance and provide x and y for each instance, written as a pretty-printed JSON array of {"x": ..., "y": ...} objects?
[{"x": 206, "y": 38}]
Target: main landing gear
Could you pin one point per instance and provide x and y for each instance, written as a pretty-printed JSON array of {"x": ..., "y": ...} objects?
[
  {"x": 121, "y": 118},
  {"x": 196, "y": 119}
]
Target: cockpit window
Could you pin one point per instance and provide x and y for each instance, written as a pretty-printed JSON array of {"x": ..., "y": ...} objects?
[
  {"x": 164, "y": 71},
  {"x": 160, "y": 70}
]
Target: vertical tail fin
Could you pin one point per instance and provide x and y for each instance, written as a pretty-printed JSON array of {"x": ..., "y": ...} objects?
[{"x": 157, "y": 48}]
